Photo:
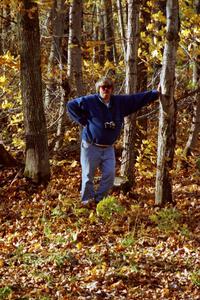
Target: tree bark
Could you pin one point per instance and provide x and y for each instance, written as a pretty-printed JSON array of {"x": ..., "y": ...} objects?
[
  {"x": 55, "y": 61},
  {"x": 5, "y": 28},
  {"x": 195, "y": 126},
  {"x": 143, "y": 74},
  {"x": 121, "y": 26},
  {"x": 109, "y": 32},
  {"x": 101, "y": 35},
  {"x": 1, "y": 31},
  {"x": 157, "y": 38},
  {"x": 128, "y": 154},
  {"x": 56, "y": 71},
  {"x": 167, "y": 118},
  {"x": 74, "y": 45},
  {"x": 96, "y": 35},
  {"x": 37, "y": 156},
  {"x": 64, "y": 91}
]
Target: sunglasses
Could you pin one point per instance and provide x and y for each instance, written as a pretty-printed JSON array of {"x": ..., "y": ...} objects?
[{"x": 106, "y": 87}]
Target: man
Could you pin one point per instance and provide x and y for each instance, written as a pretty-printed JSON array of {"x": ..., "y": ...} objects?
[{"x": 102, "y": 116}]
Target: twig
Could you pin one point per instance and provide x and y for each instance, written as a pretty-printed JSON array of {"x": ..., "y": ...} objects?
[
  {"x": 185, "y": 95},
  {"x": 8, "y": 19},
  {"x": 15, "y": 178}
]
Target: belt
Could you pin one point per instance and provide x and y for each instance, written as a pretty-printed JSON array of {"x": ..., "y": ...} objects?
[
  {"x": 102, "y": 146},
  {"x": 99, "y": 145}
]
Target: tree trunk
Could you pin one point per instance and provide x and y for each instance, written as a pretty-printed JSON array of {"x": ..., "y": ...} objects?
[
  {"x": 167, "y": 118},
  {"x": 74, "y": 45},
  {"x": 143, "y": 74},
  {"x": 121, "y": 26},
  {"x": 56, "y": 56},
  {"x": 195, "y": 126},
  {"x": 5, "y": 28},
  {"x": 65, "y": 90},
  {"x": 101, "y": 35},
  {"x": 96, "y": 36},
  {"x": 128, "y": 154},
  {"x": 109, "y": 32},
  {"x": 1, "y": 31},
  {"x": 37, "y": 156},
  {"x": 157, "y": 38},
  {"x": 54, "y": 87}
]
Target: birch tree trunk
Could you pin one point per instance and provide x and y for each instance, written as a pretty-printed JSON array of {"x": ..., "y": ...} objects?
[
  {"x": 195, "y": 126},
  {"x": 37, "y": 156},
  {"x": 55, "y": 57},
  {"x": 128, "y": 153},
  {"x": 121, "y": 26},
  {"x": 74, "y": 45},
  {"x": 167, "y": 118}
]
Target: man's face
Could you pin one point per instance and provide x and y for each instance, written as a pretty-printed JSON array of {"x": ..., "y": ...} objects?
[{"x": 105, "y": 92}]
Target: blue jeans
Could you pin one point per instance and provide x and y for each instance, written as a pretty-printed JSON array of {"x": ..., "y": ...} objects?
[{"x": 93, "y": 157}]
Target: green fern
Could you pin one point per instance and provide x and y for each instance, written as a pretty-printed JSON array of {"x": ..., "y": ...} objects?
[{"x": 107, "y": 207}]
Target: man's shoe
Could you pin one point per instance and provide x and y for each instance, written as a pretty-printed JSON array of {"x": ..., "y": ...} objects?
[{"x": 89, "y": 203}]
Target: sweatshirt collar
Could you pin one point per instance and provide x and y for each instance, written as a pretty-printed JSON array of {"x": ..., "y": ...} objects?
[{"x": 108, "y": 104}]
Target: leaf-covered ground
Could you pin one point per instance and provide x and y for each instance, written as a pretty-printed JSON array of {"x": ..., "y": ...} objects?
[{"x": 126, "y": 248}]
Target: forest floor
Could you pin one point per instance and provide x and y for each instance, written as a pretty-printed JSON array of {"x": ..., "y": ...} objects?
[{"x": 126, "y": 248}]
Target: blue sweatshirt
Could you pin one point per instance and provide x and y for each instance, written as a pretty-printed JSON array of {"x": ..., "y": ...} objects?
[{"x": 94, "y": 115}]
